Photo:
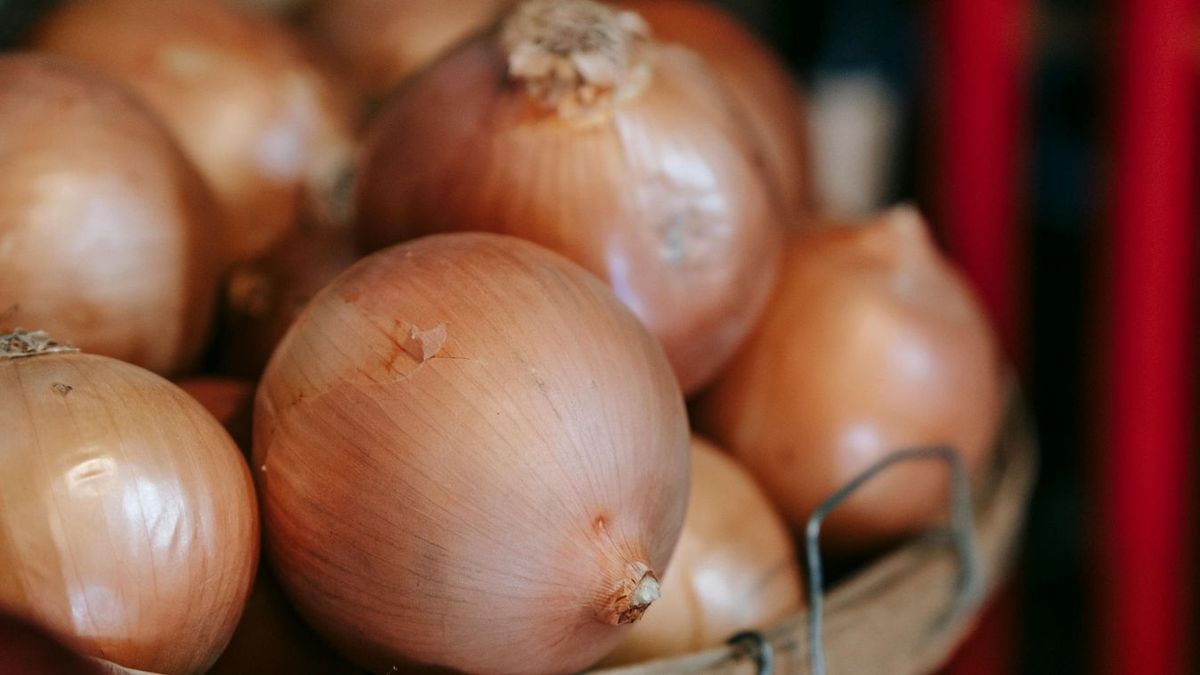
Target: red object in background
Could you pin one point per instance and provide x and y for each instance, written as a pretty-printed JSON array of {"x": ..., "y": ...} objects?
[
  {"x": 982, "y": 78},
  {"x": 982, "y": 82},
  {"x": 1144, "y": 405}
]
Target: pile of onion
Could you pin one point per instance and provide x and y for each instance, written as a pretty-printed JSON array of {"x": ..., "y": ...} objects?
[
  {"x": 263, "y": 296},
  {"x": 129, "y": 523},
  {"x": 734, "y": 569},
  {"x": 470, "y": 455},
  {"x": 263, "y": 124},
  {"x": 756, "y": 77},
  {"x": 873, "y": 343},
  {"x": 105, "y": 228},
  {"x": 570, "y": 127},
  {"x": 380, "y": 43}
]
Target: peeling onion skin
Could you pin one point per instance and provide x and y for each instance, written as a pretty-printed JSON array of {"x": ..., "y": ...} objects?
[
  {"x": 873, "y": 343},
  {"x": 734, "y": 569},
  {"x": 269, "y": 131},
  {"x": 105, "y": 228},
  {"x": 380, "y": 43},
  {"x": 129, "y": 523},
  {"x": 757, "y": 78},
  {"x": 659, "y": 188},
  {"x": 472, "y": 457}
]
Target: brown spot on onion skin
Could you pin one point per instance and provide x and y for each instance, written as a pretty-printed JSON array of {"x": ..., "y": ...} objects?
[
  {"x": 647, "y": 178},
  {"x": 874, "y": 342},
  {"x": 106, "y": 231},
  {"x": 448, "y": 515}
]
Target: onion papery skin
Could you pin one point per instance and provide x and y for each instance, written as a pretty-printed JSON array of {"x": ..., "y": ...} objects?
[
  {"x": 734, "y": 569},
  {"x": 105, "y": 228},
  {"x": 267, "y": 128},
  {"x": 662, "y": 191},
  {"x": 263, "y": 296},
  {"x": 128, "y": 522},
  {"x": 759, "y": 81},
  {"x": 873, "y": 343},
  {"x": 380, "y": 43},
  {"x": 470, "y": 456}
]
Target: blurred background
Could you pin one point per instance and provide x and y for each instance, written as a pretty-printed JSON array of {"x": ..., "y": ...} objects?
[{"x": 1051, "y": 142}]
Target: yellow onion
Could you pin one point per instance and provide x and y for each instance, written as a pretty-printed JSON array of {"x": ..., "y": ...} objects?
[
  {"x": 872, "y": 343},
  {"x": 129, "y": 523},
  {"x": 263, "y": 296},
  {"x": 568, "y": 127},
  {"x": 756, "y": 77},
  {"x": 734, "y": 569},
  {"x": 105, "y": 228},
  {"x": 470, "y": 456},
  {"x": 264, "y": 125},
  {"x": 380, "y": 43}
]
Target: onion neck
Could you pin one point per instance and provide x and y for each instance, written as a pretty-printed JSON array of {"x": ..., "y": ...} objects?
[
  {"x": 637, "y": 590},
  {"x": 577, "y": 58},
  {"x": 21, "y": 344}
]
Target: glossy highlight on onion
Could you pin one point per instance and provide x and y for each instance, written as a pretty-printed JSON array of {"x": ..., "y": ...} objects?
[
  {"x": 569, "y": 127},
  {"x": 380, "y": 43},
  {"x": 470, "y": 456},
  {"x": 755, "y": 76},
  {"x": 873, "y": 343},
  {"x": 129, "y": 524},
  {"x": 106, "y": 231},
  {"x": 265, "y": 125},
  {"x": 734, "y": 569}
]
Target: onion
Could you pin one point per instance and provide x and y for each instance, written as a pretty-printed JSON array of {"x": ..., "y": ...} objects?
[
  {"x": 873, "y": 343},
  {"x": 229, "y": 400},
  {"x": 30, "y": 650},
  {"x": 262, "y": 123},
  {"x": 264, "y": 296},
  {"x": 103, "y": 223},
  {"x": 470, "y": 456},
  {"x": 755, "y": 76},
  {"x": 629, "y": 161},
  {"x": 380, "y": 43},
  {"x": 129, "y": 522},
  {"x": 734, "y": 569}
]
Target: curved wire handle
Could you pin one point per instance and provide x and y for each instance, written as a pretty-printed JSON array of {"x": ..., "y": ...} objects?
[{"x": 970, "y": 573}]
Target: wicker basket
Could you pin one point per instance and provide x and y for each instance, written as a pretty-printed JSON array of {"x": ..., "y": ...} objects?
[{"x": 903, "y": 614}]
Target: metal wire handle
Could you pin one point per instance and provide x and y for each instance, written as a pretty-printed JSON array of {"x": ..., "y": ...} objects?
[{"x": 970, "y": 572}]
